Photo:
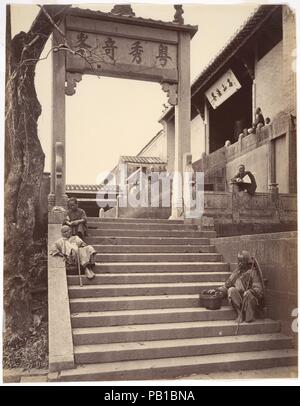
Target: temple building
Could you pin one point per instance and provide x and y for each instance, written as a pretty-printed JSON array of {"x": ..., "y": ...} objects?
[{"x": 254, "y": 69}]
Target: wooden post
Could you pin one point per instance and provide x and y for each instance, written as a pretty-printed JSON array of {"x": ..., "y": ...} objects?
[
  {"x": 182, "y": 121},
  {"x": 58, "y": 180}
]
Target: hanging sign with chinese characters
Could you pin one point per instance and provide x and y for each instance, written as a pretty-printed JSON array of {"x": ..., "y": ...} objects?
[
  {"x": 221, "y": 90},
  {"x": 134, "y": 54}
]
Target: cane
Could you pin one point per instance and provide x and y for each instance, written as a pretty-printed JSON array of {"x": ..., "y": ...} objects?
[
  {"x": 238, "y": 324},
  {"x": 79, "y": 271}
]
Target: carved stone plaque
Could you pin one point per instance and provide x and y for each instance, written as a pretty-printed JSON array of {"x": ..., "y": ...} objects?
[
  {"x": 122, "y": 51},
  {"x": 125, "y": 57}
]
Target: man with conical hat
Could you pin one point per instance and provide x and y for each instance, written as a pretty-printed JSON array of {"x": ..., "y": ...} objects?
[{"x": 245, "y": 287}]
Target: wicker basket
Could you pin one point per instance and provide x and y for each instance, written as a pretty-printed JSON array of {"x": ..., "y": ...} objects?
[{"x": 211, "y": 301}]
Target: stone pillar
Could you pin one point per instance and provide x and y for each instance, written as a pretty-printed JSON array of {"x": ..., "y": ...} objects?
[
  {"x": 292, "y": 155},
  {"x": 169, "y": 128},
  {"x": 58, "y": 164},
  {"x": 273, "y": 186},
  {"x": 206, "y": 120},
  {"x": 182, "y": 122},
  {"x": 253, "y": 100},
  {"x": 289, "y": 58},
  {"x": 235, "y": 204}
]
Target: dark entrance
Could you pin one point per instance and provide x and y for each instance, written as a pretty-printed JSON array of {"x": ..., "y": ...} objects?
[{"x": 229, "y": 119}]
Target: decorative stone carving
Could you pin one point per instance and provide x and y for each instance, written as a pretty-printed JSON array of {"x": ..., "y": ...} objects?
[
  {"x": 178, "y": 19},
  {"x": 72, "y": 79},
  {"x": 124, "y": 10},
  {"x": 171, "y": 90}
]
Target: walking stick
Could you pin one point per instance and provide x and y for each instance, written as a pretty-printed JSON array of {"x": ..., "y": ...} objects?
[
  {"x": 79, "y": 271},
  {"x": 238, "y": 324}
]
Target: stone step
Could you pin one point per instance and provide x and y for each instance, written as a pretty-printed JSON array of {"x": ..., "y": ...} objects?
[
  {"x": 93, "y": 291},
  {"x": 150, "y": 267},
  {"x": 118, "y": 240},
  {"x": 159, "y": 257},
  {"x": 148, "y": 316},
  {"x": 187, "y": 347},
  {"x": 171, "y": 277},
  {"x": 106, "y": 249},
  {"x": 133, "y": 303},
  {"x": 163, "y": 331},
  {"x": 142, "y": 226},
  {"x": 150, "y": 233},
  {"x": 175, "y": 367},
  {"x": 134, "y": 220}
]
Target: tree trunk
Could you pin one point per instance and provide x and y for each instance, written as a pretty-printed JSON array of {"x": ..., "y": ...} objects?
[{"x": 24, "y": 163}]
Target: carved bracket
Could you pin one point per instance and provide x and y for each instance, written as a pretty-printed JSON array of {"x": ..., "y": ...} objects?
[
  {"x": 72, "y": 79},
  {"x": 171, "y": 90}
]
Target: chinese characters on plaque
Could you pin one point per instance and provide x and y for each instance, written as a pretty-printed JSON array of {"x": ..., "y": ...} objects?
[
  {"x": 98, "y": 49},
  {"x": 225, "y": 87}
]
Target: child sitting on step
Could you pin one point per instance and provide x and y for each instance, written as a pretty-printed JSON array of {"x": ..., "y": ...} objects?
[{"x": 75, "y": 252}]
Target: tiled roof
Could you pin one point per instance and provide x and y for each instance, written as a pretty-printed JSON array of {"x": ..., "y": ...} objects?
[
  {"x": 89, "y": 188},
  {"x": 250, "y": 26},
  {"x": 142, "y": 159},
  {"x": 239, "y": 39},
  {"x": 80, "y": 12}
]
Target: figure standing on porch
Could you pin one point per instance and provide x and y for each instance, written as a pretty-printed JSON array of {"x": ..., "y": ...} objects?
[
  {"x": 238, "y": 179},
  {"x": 76, "y": 218},
  {"x": 259, "y": 119},
  {"x": 244, "y": 288},
  {"x": 75, "y": 251}
]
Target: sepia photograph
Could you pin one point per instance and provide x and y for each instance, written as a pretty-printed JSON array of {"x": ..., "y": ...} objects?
[{"x": 149, "y": 195}]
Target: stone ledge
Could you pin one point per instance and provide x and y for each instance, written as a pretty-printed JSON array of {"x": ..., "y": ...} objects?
[
  {"x": 17, "y": 375},
  {"x": 61, "y": 353}
]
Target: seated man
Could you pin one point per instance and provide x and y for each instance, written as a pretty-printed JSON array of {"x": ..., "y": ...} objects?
[
  {"x": 244, "y": 288},
  {"x": 242, "y": 185},
  {"x": 259, "y": 119},
  {"x": 74, "y": 250},
  {"x": 76, "y": 218}
]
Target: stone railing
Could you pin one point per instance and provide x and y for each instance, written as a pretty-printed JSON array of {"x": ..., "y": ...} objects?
[
  {"x": 214, "y": 164},
  {"x": 240, "y": 213},
  {"x": 61, "y": 354}
]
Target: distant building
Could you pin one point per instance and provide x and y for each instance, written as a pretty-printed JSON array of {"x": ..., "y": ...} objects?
[{"x": 255, "y": 69}]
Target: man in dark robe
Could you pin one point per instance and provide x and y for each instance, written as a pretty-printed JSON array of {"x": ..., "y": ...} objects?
[
  {"x": 259, "y": 119},
  {"x": 244, "y": 288},
  {"x": 242, "y": 185},
  {"x": 76, "y": 219}
]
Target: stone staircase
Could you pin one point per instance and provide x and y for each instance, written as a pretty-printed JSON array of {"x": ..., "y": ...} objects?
[{"x": 140, "y": 319}]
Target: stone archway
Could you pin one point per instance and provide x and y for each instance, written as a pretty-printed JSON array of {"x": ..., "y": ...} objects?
[{"x": 118, "y": 44}]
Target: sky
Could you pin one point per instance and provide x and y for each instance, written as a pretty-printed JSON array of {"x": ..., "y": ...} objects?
[{"x": 109, "y": 117}]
